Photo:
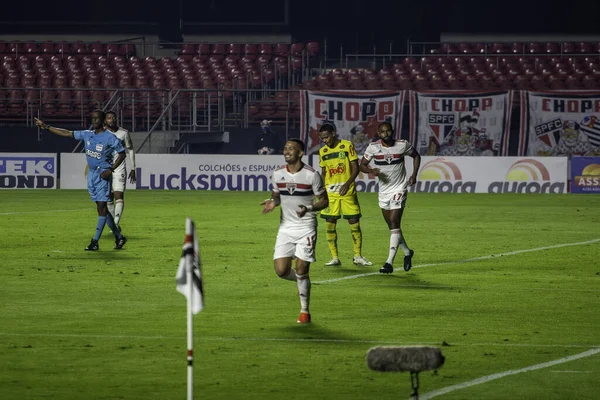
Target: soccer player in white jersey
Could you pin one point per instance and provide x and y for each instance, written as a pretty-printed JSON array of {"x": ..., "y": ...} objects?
[
  {"x": 296, "y": 186},
  {"x": 387, "y": 155},
  {"x": 119, "y": 180}
]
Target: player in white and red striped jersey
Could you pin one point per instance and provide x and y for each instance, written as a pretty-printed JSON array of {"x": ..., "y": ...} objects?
[
  {"x": 296, "y": 186},
  {"x": 387, "y": 156}
]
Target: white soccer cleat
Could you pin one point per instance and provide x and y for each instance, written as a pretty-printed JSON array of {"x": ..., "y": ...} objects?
[
  {"x": 335, "y": 261},
  {"x": 360, "y": 260}
]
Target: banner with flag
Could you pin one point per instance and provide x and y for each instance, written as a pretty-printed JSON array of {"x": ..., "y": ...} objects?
[
  {"x": 189, "y": 265},
  {"x": 460, "y": 123},
  {"x": 560, "y": 123},
  {"x": 356, "y": 114}
]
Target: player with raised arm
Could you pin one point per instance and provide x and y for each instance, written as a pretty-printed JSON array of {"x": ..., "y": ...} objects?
[
  {"x": 100, "y": 149},
  {"x": 388, "y": 156},
  {"x": 119, "y": 178},
  {"x": 296, "y": 186}
]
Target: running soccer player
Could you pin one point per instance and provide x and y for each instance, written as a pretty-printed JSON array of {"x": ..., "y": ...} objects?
[
  {"x": 388, "y": 156},
  {"x": 296, "y": 186}
]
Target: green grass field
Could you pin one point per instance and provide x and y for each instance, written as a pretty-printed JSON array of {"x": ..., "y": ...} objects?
[{"x": 503, "y": 284}]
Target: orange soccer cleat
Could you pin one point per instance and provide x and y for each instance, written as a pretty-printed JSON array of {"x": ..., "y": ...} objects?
[{"x": 304, "y": 318}]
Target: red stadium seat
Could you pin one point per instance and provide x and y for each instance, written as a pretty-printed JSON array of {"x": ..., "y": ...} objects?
[
  {"x": 282, "y": 49},
  {"x": 265, "y": 49},
  {"x": 218, "y": 49},
  {"x": 30, "y": 48},
  {"x": 534, "y": 48},
  {"x": 590, "y": 82},
  {"x": 552, "y": 48},
  {"x": 235, "y": 49},
  {"x": 189, "y": 49},
  {"x": 297, "y": 49},
  {"x": 204, "y": 49},
  {"x": 517, "y": 48},
  {"x": 97, "y": 48}
]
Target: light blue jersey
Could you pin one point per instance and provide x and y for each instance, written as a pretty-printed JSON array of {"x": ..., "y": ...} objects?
[{"x": 100, "y": 149}]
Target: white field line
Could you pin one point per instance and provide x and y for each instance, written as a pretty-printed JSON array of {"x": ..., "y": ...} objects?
[
  {"x": 488, "y": 378},
  {"x": 510, "y": 253}
]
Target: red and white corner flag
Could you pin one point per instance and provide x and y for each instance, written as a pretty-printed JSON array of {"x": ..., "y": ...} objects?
[
  {"x": 189, "y": 276},
  {"x": 189, "y": 283}
]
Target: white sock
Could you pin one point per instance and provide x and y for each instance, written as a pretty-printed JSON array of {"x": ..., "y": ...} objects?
[
  {"x": 111, "y": 208},
  {"x": 291, "y": 275},
  {"x": 304, "y": 292},
  {"x": 394, "y": 242},
  {"x": 119, "y": 205}
]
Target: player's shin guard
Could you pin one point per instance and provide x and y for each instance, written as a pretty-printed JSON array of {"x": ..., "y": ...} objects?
[
  {"x": 356, "y": 238},
  {"x": 304, "y": 292},
  {"x": 111, "y": 208},
  {"x": 119, "y": 205},
  {"x": 395, "y": 236},
  {"x": 331, "y": 236}
]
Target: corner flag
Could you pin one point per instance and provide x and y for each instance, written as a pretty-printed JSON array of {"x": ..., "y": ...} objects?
[
  {"x": 189, "y": 266},
  {"x": 189, "y": 283}
]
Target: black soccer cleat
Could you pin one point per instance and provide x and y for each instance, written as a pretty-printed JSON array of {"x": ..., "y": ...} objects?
[
  {"x": 119, "y": 243},
  {"x": 408, "y": 261},
  {"x": 386, "y": 269},
  {"x": 93, "y": 246}
]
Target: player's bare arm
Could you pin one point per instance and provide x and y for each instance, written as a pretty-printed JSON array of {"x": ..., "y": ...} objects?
[
  {"x": 270, "y": 204},
  {"x": 107, "y": 172},
  {"x": 52, "y": 129},
  {"x": 132, "y": 176},
  {"x": 364, "y": 167},
  {"x": 354, "y": 170},
  {"x": 416, "y": 165},
  {"x": 321, "y": 204}
]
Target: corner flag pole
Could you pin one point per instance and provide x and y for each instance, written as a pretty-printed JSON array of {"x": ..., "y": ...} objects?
[
  {"x": 190, "y": 332},
  {"x": 189, "y": 283},
  {"x": 189, "y": 266}
]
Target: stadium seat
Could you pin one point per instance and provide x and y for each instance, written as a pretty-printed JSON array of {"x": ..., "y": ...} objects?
[
  {"x": 204, "y": 49},
  {"x": 30, "y": 48},
  {"x": 517, "y": 48},
  {"x": 97, "y": 48},
  {"x": 282, "y": 49},
  {"x": 235, "y": 49},
  {"x": 552, "y": 48},
  {"x": 589, "y": 82},
  {"x": 265, "y": 49},
  {"x": 218, "y": 49},
  {"x": 313, "y": 48},
  {"x": 188, "y": 49},
  {"x": 534, "y": 48}
]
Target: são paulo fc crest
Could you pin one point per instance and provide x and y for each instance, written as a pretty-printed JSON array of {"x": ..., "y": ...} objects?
[
  {"x": 291, "y": 187},
  {"x": 388, "y": 158}
]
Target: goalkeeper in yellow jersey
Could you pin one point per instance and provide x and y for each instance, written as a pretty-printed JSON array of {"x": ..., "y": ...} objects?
[{"x": 339, "y": 163}]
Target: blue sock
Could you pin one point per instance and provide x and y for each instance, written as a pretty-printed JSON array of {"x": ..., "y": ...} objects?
[
  {"x": 113, "y": 227},
  {"x": 99, "y": 227}
]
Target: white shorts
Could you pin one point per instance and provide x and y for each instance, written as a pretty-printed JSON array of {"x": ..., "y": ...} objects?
[
  {"x": 119, "y": 180},
  {"x": 299, "y": 243},
  {"x": 392, "y": 201}
]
